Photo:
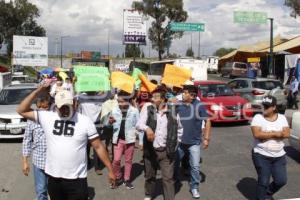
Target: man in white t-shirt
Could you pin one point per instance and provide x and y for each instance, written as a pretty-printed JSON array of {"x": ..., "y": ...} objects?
[
  {"x": 268, "y": 155},
  {"x": 67, "y": 134}
]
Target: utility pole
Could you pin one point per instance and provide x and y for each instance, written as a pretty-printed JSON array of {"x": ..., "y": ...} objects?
[
  {"x": 271, "y": 60},
  {"x": 61, "y": 50},
  {"x": 199, "y": 48},
  {"x": 108, "y": 44}
]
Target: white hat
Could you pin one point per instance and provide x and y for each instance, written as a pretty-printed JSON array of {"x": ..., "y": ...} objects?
[{"x": 63, "y": 98}]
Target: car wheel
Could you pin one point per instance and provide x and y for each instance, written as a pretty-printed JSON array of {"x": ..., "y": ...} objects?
[{"x": 231, "y": 76}]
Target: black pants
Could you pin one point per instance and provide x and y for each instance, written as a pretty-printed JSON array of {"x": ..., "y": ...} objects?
[
  {"x": 67, "y": 189},
  {"x": 292, "y": 100},
  {"x": 106, "y": 138}
]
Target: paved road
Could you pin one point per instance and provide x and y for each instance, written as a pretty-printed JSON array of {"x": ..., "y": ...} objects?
[
  {"x": 227, "y": 167},
  {"x": 229, "y": 173}
]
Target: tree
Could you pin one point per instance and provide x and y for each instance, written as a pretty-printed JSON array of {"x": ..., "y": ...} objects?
[
  {"x": 295, "y": 6},
  {"x": 163, "y": 12},
  {"x": 132, "y": 50},
  {"x": 189, "y": 52},
  {"x": 18, "y": 17},
  {"x": 223, "y": 51}
]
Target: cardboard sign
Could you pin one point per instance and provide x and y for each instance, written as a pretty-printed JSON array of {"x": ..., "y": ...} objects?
[
  {"x": 135, "y": 74},
  {"x": 91, "y": 79},
  {"x": 79, "y": 70},
  {"x": 122, "y": 81},
  {"x": 176, "y": 76},
  {"x": 147, "y": 86},
  {"x": 92, "y": 83}
]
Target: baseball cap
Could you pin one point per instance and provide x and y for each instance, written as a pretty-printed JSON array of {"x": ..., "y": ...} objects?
[
  {"x": 269, "y": 101},
  {"x": 63, "y": 98}
]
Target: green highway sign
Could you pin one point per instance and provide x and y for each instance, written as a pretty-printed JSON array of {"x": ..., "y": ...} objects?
[
  {"x": 245, "y": 17},
  {"x": 180, "y": 26}
]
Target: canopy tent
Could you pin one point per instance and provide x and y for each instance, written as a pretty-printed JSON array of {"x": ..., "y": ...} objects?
[
  {"x": 245, "y": 51},
  {"x": 291, "y": 46}
]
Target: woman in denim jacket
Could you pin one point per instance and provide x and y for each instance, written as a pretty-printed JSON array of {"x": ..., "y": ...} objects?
[{"x": 124, "y": 119}]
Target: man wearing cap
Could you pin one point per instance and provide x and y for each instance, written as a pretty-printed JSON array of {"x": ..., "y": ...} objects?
[
  {"x": 192, "y": 116},
  {"x": 67, "y": 133},
  {"x": 269, "y": 131}
]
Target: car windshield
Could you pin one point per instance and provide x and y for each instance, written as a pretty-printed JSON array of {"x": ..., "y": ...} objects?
[
  {"x": 14, "y": 96},
  {"x": 267, "y": 85},
  {"x": 215, "y": 90}
]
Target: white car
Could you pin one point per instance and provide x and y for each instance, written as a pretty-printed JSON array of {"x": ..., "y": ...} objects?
[
  {"x": 295, "y": 132},
  {"x": 12, "y": 125}
]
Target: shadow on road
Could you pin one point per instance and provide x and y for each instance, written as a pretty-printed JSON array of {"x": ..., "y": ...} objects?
[
  {"x": 230, "y": 124},
  {"x": 247, "y": 186},
  {"x": 11, "y": 141},
  {"x": 91, "y": 192},
  {"x": 292, "y": 153},
  {"x": 137, "y": 170}
]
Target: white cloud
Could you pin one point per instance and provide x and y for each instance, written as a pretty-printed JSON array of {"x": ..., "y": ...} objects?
[{"x": 90, "y": 22}]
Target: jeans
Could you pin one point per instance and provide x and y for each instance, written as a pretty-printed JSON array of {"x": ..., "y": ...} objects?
[
  {"x": 120, "y": 149},
  {"x": 40, "y": 181},
  {"x": 265, "y": 168},
  {"x": 194, "y": 161}
]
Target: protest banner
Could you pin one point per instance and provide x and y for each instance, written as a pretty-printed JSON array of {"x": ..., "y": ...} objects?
[
  {"x": 176, "y": 76},
  {"x": 122, "y": 81},
  {"x": 91, "y": 79},
  {"x": 147, "y": 86}
]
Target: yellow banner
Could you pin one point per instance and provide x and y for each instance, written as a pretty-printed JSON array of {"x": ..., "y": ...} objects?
[
  {"x": 122, "y": 81},
  {"x": 176, "y": 76},
  {"x": 253, "y": 60}
]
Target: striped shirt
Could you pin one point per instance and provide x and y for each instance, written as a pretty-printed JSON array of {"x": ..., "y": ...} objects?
[{"x": 34, "y": 144}]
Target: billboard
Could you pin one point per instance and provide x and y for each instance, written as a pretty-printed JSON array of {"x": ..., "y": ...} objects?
[
  {"x": 135, "y": 29},
  {"x": 30, "y": 51}
]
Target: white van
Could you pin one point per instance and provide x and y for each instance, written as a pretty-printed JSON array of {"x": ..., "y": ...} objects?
[{"x": 198, "y": 68}]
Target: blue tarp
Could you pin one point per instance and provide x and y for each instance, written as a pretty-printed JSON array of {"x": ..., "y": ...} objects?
[{"x": 47, "y": 71}]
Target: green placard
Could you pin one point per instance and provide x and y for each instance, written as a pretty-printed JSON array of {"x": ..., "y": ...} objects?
[
  {"x": 245, "y": 17},
  {"x": 92, "y": 83},
  {"x": 180, "y": 26},
  {"x": 79, "y": 70}
]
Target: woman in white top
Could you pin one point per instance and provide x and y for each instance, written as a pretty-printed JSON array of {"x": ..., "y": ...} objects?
[{"x": 269, "y": 130}]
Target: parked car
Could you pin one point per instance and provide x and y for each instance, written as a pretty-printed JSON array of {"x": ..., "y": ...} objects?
[
  {"x": 222, "y": 103},
  {"x": 295, "y": 131},
  {"x": 234, "y": 69},
  {"x": 255, "y": 89},
  {"x": 12, "y": 125}
]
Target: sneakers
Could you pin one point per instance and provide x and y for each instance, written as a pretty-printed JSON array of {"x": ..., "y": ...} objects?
[
  {"x": 128, "y": 185},
  {"x": 147, "y": 198},
  {"x": 195, "y": 193}
]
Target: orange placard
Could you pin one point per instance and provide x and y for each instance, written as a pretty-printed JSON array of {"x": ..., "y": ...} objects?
[
  {"x": 176, "y": 76},
  {"x": 122, "y": 81},
  {"x": 146, "y": 84}
]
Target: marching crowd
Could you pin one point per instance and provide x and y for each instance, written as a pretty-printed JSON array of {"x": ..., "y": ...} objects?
[{"x": 170, "y": 124}]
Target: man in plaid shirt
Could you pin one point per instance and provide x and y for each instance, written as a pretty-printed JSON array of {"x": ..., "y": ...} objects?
[{"x": 34, "y": 144}]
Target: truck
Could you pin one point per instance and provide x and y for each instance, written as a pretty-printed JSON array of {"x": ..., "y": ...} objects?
[{"x": 198, "y": 68}]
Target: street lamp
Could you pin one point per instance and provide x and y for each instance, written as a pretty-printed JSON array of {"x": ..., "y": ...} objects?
[
  {"x": 271, "y": 60},
  {"x": 61, "y": 49}
]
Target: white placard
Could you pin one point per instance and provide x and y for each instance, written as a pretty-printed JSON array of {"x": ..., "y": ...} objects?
[{"x": 30, "y": 51}]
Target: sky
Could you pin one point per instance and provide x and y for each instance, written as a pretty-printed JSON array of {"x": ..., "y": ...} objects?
[{"x": 89, "y": 24}]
